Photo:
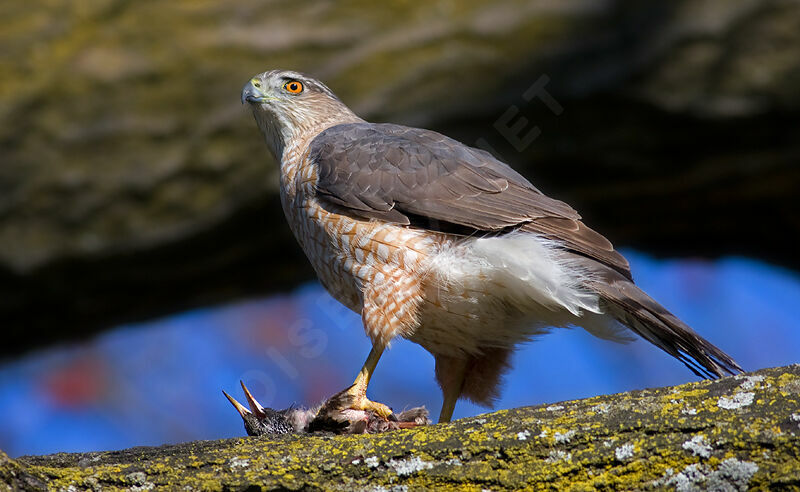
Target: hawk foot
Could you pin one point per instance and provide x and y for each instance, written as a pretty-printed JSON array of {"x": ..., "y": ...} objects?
[
  {"x": 348, "y": 412},
  {"x": 355, "y": 398}
]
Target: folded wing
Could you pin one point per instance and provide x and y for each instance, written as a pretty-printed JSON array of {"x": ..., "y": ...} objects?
[{"x": 421, "y": 178}]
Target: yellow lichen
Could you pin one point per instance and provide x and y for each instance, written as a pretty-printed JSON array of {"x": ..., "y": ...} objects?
[{"x": 631, "y": 446}]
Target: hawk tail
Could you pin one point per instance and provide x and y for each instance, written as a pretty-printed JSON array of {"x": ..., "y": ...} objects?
[{"x": 633, "y": 307}]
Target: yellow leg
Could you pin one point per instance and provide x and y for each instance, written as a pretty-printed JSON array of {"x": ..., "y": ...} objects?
[
  {"x": 451, "y": 394},
  {"x": 365, "y": 374},
  {"x": 358, "y": 391}
]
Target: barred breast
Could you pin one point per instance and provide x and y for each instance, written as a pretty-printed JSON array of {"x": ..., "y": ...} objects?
[{"x": 372, "y": 267}]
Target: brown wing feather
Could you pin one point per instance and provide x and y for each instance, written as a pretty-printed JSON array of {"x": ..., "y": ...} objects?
[{"x": 396, "y": 173}]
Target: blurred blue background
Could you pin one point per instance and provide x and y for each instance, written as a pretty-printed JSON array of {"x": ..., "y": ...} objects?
[{"x": 160, "y": 382}]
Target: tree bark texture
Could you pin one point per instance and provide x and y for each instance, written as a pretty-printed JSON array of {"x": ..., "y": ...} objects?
[{"x": 731, "y": 434}]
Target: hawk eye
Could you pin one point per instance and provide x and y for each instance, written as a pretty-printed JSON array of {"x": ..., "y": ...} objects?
[{"x": 293, "y": 86}]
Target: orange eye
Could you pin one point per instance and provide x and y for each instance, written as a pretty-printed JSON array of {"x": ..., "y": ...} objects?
[{"x": 293, "y": 87}]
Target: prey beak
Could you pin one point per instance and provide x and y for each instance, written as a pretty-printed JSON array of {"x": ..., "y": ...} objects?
[
  {"x": 238, "y": 406},
  {"x": 252, "y": 92},
  {"x": 256, "y": 407}
]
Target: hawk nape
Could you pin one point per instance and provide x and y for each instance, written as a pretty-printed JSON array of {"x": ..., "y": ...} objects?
[{"x": 444, "y": 245}]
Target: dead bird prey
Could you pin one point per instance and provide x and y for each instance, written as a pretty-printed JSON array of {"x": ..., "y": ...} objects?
[
  {"x": 334, "y": 415},
  {"x": 442, "y": 244}
]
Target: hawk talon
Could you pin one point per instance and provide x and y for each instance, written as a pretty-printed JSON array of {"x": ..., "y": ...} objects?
[
  {"x": 377, "y": 408},
  {"x": 357, "y": 400}
]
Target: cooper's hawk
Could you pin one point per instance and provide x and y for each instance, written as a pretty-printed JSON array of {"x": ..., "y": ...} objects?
[{"x": 444, "y": 245}]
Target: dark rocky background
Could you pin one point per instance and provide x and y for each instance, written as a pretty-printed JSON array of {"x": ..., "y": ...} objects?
[{"x": 132, "y": 183}]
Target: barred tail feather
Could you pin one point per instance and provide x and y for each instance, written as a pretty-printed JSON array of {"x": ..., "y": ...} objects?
[{"x": 630, "y": 305}]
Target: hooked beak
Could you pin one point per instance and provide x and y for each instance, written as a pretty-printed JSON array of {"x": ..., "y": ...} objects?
[{"x": 252, "y": 92}]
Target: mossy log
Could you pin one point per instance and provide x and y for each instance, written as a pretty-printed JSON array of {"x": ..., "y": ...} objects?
[
  {"x": 133, "y": 183},
  {"x": 731, "y": 434}
]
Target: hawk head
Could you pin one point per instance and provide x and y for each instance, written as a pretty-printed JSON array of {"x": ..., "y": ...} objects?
[{"x": 289, "y": 105}]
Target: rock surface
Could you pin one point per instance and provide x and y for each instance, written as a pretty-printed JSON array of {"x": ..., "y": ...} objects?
[
  {"x": 133, "y": 183},
  {"x": 732, "y": 434}
]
